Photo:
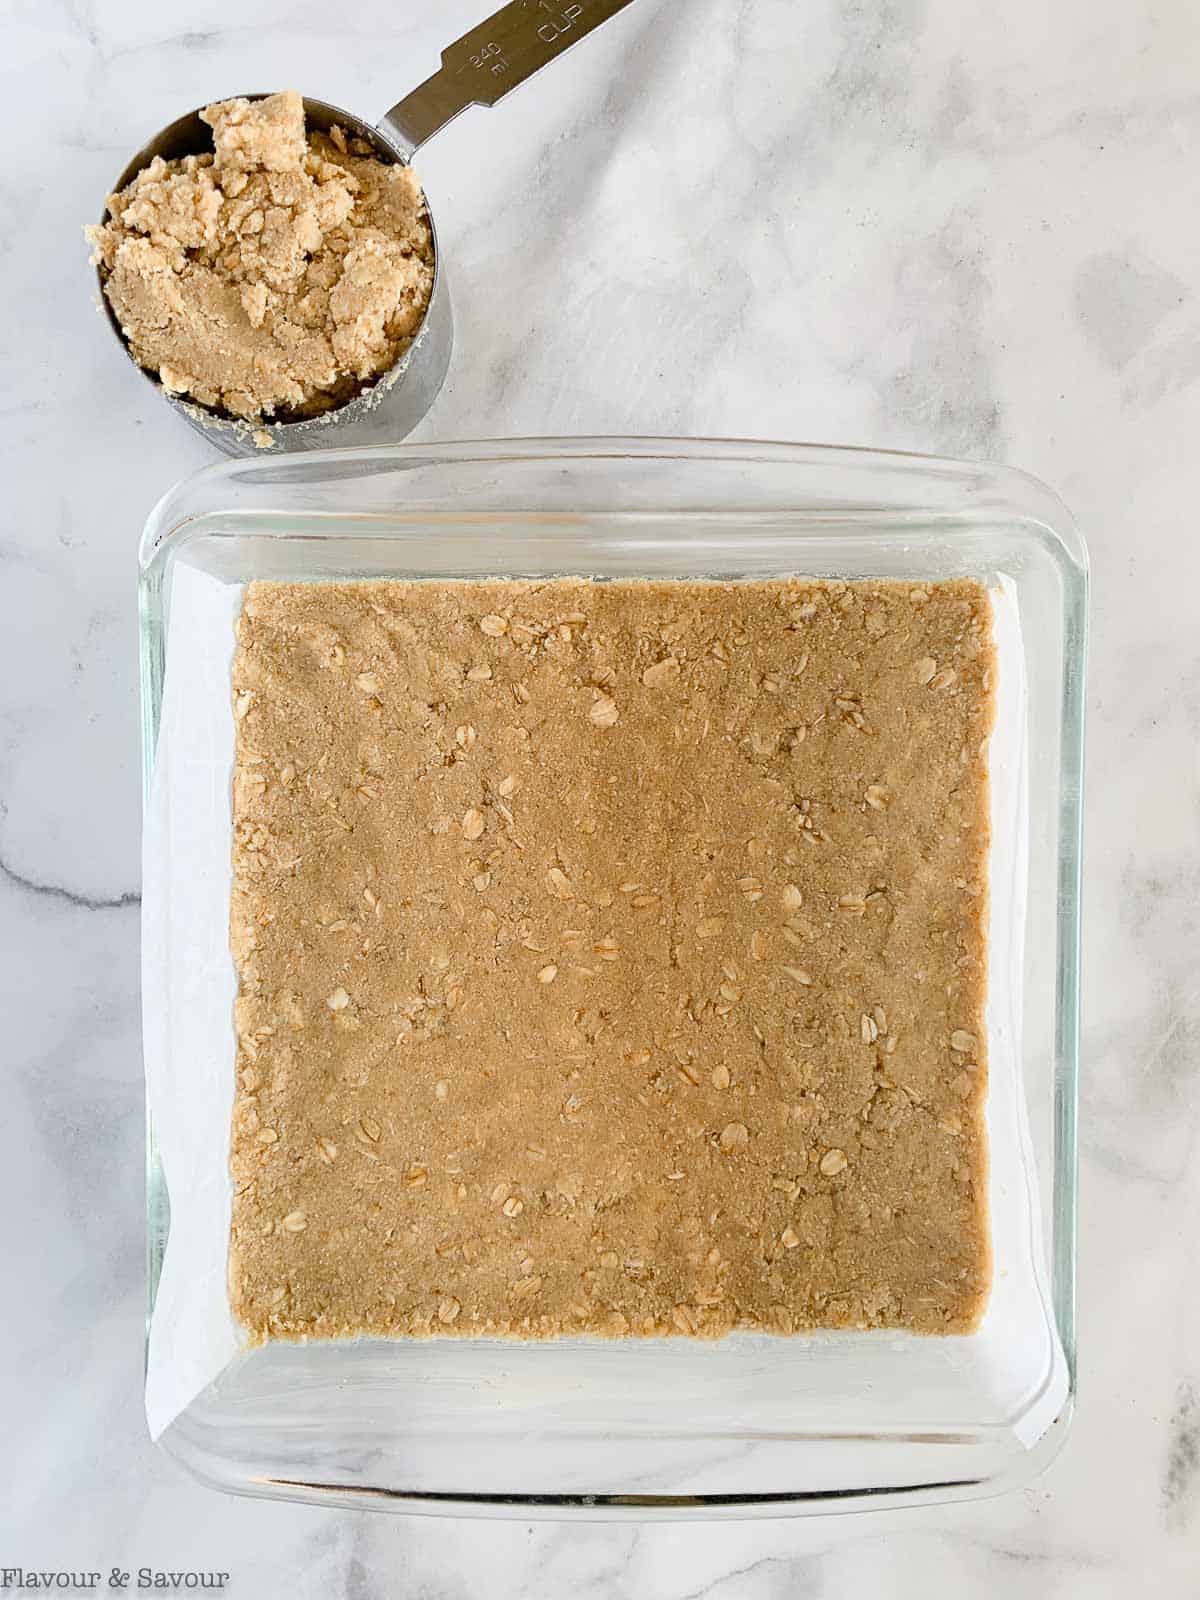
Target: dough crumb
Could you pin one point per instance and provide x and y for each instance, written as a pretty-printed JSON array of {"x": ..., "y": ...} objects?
[{"x": 275, "y": 277}]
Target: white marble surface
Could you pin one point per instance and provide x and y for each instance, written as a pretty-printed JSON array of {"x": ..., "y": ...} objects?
[{"x": 937, "y": 224}]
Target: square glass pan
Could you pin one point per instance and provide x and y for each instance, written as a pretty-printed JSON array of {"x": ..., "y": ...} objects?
[{"x": 662, "y": 1428}]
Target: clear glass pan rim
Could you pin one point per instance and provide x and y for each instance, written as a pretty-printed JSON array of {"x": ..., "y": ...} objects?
[
  {"x": 940, "y": 496},
  {"x": 984, "y": 484}
]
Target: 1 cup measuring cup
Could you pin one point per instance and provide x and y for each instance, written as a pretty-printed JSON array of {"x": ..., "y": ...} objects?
[{"x": 478, "y": 69}]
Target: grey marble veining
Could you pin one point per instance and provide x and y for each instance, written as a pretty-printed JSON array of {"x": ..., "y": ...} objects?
[{"x": 932, "y": 224}]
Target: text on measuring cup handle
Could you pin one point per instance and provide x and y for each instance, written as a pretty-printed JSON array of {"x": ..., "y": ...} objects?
[
  {"x": 490, "y": 59},
  {"x": 558, "y": 20}
]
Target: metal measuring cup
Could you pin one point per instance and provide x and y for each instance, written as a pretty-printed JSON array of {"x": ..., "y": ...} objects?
[{"x": 478, "y": 69}]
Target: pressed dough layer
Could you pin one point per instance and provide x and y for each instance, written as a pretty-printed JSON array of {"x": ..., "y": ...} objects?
[
  {"x": 612, "y": 957},
  {"x": 274, "y": 277}
]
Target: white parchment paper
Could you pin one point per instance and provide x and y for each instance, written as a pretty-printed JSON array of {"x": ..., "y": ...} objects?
[
  {"x": 188, "y": 990},
  {"x": 189, "y": 987}
]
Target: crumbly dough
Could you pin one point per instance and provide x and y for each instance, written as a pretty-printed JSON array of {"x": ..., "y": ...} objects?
[
  {"x": 275, "y": 277},
  {"x": 612, "y": 957}
]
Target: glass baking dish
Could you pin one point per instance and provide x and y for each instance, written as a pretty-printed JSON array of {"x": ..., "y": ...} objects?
[{"x": 751, "y": 1425}]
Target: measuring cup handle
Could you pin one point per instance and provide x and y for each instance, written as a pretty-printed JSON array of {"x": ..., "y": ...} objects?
[{"x": 480, "y": 68}]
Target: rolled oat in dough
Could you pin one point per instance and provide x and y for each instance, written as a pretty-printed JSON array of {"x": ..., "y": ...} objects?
[
  {"x": 275, "y": 277},
  {"x": 612, "y": 957}
]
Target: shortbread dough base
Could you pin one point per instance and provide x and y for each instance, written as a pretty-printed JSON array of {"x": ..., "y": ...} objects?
[{"x": 612, "y": 957}]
